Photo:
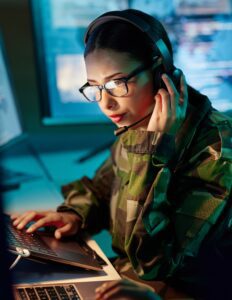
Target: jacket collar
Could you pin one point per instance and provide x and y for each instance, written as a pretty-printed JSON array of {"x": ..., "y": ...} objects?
[{"x": 198, "y": 108}]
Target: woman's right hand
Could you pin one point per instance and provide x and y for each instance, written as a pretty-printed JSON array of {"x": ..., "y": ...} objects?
[{"x": 66, "y": 223}]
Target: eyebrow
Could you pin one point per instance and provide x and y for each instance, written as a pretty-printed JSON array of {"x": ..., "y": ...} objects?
[{"x": 107, "y": 77}]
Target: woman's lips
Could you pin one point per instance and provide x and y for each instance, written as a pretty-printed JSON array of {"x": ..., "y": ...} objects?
[{"x": 116, "y": 118}]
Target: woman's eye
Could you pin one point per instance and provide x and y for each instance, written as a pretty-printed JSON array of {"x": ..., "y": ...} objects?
[
  {"x": 119, "y": 82},
  {"x": 110, "y": 85},
  {"x": 114, "y": 84}
]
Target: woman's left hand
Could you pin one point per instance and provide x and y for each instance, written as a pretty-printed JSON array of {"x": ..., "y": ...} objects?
[
  {"x": 124, "y": 290},
  {"x": 170, "y": 107}
]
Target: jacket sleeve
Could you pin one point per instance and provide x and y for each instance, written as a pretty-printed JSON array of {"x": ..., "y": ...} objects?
[
  {"x": 181, "y": 207},
  {"x": 89, "y": 198}
]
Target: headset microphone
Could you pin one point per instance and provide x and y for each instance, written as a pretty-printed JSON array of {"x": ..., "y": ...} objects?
[{"x": 125, "y": 128}]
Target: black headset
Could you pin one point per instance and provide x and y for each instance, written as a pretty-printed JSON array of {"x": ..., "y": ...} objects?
[{"x": 167, "y": 61}]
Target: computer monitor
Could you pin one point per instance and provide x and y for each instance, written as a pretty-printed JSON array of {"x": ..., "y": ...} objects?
[{"x": 10, "y": 126}]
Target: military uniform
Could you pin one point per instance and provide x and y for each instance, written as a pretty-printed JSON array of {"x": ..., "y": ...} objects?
[{"x": 159, "y": 195}]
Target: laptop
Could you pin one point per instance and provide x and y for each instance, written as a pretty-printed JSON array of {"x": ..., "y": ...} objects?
[
  {"x": 43, "y": 246},
  {"x": 48, "y": 291},
  {"x": 14, "y": 143}
]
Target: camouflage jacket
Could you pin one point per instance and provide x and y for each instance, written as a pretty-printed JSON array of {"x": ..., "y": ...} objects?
[{"x": 160, "y": 195}]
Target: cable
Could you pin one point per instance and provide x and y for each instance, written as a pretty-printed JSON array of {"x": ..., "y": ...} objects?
[
  {"x": 21, "y": 253},
  {"x": 15, "y": 262}
]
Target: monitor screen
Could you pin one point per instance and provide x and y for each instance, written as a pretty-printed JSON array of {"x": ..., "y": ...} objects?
[
  {"x": 200, "y": 31},
  {"x": 204, "y": 54},
  {"x": 59, "y": 30},
  {"x": 201, "y": 35},
  {"x": 202, "y": 7},
  {"x": 10, "y": 126}
]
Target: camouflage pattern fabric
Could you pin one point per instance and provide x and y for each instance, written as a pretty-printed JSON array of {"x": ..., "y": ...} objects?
[{"x": 159, "y": 195}]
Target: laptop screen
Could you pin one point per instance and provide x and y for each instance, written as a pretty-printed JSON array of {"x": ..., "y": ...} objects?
[{"x": 10, "y": 126}]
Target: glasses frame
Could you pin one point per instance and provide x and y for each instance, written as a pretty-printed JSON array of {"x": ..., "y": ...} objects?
[{"x": 125, "y": 79}]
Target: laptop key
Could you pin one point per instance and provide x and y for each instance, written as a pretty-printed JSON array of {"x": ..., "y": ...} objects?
[
  {"x": 31, "y": 293},
  {"x": 42, "y": 293},
  {"x": 74, "y": 292},
  {"x": 22, "y": 294},
  {"x": 62, "y": 293},
  {"x": 67, "y": 292},
  {"x": 52, "y": 293}
]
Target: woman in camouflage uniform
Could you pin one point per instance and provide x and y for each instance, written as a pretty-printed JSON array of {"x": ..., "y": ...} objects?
[{"x": 168, "y": 179}]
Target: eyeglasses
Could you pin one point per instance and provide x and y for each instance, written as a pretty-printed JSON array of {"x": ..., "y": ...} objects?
[{"x": 116, "y": 87}]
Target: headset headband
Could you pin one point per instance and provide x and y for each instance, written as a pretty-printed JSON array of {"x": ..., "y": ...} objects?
[{"x": 141, "y": 25}]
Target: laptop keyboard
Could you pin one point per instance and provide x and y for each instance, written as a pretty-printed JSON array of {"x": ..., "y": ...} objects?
[
  {"x": 31, "y": 242},
  {"x": 50, "y": 292}
]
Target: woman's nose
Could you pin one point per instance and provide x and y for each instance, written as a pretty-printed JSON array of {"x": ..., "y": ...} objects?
[{"x": 108, "y": 101}]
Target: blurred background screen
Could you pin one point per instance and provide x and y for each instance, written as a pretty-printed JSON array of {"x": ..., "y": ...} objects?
[
  {"x": 10, "y": 124},
  {"x": 200, "y": 31}
]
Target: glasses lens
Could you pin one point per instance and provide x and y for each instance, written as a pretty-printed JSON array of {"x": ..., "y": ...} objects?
[
  {"x": 116, "y": 88},
  {"x": 92, "y": 93}
]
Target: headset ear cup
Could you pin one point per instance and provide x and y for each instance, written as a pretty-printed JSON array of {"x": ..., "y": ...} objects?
[
  {"x": 158, "y": 82},
  {"x": 176, "y": 76}
]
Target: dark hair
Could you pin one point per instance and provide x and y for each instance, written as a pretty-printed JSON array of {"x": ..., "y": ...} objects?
[{"x": 122, "y": 36}]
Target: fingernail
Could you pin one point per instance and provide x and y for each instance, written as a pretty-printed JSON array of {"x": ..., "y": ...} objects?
[
  {"x": 29, "y": 230},
  {"x": 57, "y": 235},
  {"x": 15, "y": 223}
]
